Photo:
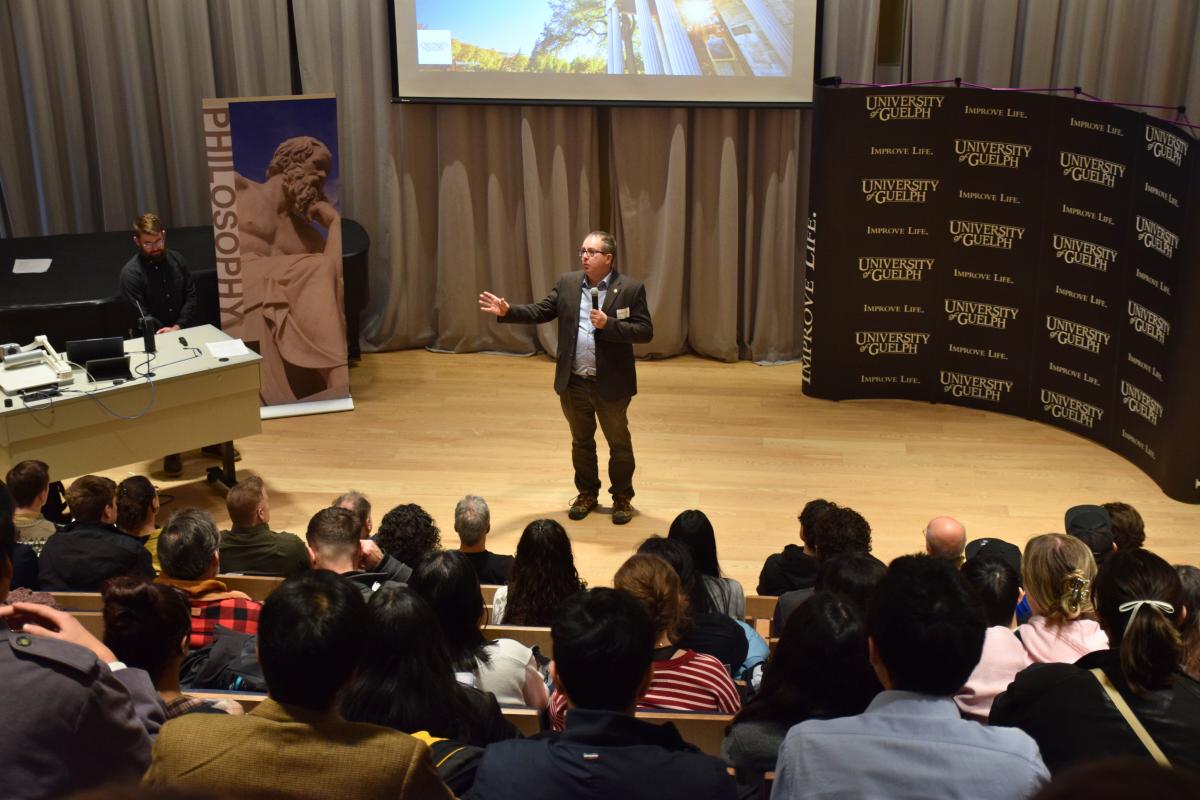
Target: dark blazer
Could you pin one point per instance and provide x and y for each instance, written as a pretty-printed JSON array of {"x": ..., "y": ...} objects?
[
  {"x": 70, "y": 723},
  {"x": 615, "y": 375},
  {"x": 601, "y": 754}
]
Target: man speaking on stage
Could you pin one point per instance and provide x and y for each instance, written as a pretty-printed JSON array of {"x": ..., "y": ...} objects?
[{"x": 601, "y": 315}]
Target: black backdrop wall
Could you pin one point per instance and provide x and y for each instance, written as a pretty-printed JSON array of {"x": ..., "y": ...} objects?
[{"x": 1017, "y": 252}]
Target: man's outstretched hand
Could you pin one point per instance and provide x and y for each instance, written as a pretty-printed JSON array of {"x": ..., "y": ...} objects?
[{"x": 491, "y": 304}]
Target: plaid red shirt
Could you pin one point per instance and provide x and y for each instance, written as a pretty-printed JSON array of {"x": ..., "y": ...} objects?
[
  {"x": 214, "y": 604},
  {"x": 231, "y": 612}
]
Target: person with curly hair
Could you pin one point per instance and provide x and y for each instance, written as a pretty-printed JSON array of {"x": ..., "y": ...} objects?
[
  {"x": 543, "y": 576},
  {"x": 408, "y": 533},
  {"x": 1058, "y": 572}
]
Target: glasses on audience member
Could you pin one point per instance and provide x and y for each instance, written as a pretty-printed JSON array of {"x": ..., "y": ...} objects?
[{"x": 589, "y": 252}]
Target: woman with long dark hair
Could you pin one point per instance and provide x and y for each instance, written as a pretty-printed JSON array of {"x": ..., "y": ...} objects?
[
  {"x": 820, "y": 670},
  {"x": 505, "y": 667},
  {"x": 405, "y": 679},
  {"x": 693, "y": 529},
  {"x": 543, "y": 575},
  {"x": 1071, "y": 709}
]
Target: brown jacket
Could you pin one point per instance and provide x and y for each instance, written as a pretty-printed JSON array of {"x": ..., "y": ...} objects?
[{"x": 284, "y": 750}]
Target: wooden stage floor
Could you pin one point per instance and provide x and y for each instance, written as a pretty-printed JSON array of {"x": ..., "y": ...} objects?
[{"x": 738, "y": 441}]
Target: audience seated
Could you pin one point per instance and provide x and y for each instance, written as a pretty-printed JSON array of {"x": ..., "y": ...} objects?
[
  {"x": 1058, "y": 572},
  {"x": 71, "y": 721},
  {"x": 683, "y": 679},
  {"x": 1092, "y": 526},
  {"x": 408, "y": 534},
  {"x": 1128, "y": 529},
  {"x": 838, "y": 531},
  {"x": 995, "y": 585},
  {"x": 1069, "y": 708},
  {"x": 702, "y": 629},
  {"x": 250, "y": 546},
  {"x": 1189, "y": 629},
  {"x": 29, "y": 484},
  {"x": 148, "y": 625},
  {"x": 361, "y": 506},
  {"x": 603, "y": 641},
  {"x": 333, "y": 545},
  {"x": 504, "y": 667},
  {"x": 137, "y": 512},
  {"x": 472, "y": 523},
  {"x": 926, "y": 633},
  {"x": 946, "y": 537},
  {"x": 796, "y": 566},
  {"x": 820, "y": 670},
  {"x": 543, "y": 575},
  {"x": 295, "y": 744},
  {"x": 692, "y": 529},
  {"x": 188, "y": 551},
  {"x": 406, "y": 681},
  {"x": 90, "y": 550}
]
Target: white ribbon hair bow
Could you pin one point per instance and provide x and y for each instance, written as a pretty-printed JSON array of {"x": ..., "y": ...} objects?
[{"x": 1135, "y": 606}]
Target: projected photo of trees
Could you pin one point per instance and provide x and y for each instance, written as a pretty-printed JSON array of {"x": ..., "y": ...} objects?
[{"x": 713, "y": 38}]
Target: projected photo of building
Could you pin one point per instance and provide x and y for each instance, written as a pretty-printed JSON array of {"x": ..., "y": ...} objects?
[{"x": 714, "y": 38}]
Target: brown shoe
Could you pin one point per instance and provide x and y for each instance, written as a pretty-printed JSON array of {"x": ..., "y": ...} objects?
[
  {"x": 582, "y": 505},
  {"x": 622, "y": 510}
]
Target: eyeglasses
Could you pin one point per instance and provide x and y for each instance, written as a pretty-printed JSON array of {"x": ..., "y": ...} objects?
[{"x": 589, "y": 252}]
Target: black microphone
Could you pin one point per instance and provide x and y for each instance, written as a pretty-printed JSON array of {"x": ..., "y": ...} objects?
[
  {"x": 147, "y": 328},
  {"x": 595, "y": 297}
]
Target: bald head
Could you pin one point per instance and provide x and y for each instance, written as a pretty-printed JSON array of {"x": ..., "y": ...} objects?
[{"x": 945, "y": 537}]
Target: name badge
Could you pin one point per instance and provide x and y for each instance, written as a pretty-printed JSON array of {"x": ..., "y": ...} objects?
[{"x": 622, "y": 313}]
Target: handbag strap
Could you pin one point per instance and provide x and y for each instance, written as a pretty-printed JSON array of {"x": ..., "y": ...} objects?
[{"x": 1127, "y": 712}]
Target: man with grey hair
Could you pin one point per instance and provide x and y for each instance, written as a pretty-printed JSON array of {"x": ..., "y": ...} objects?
[
  {"x": 472, "y": 522},
  {"x": 361, "y": 506},
  {"x": 188, "y": 551},
  {"x": 946, "y": 538}
]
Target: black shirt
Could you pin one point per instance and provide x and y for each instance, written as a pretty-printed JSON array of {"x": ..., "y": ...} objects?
[
  {"x": 491, "y": 568},
  {"x": 787, "y": 571},
  {"x": 718, "y": 636},
  {"x": 83, "y": 555},
  {"x": 165, "y": 290}
]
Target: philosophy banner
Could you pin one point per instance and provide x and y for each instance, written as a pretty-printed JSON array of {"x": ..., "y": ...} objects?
[
  {"x": 277, "y": 226},
  {"x": 1014, "y": 252}
]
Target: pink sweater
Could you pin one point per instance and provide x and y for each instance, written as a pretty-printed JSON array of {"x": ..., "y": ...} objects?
[
  {"x": 1066, "y": 643},
  {"x": 1003, "y": 657}
]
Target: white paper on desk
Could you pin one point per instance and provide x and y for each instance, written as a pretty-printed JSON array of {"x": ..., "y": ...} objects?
[
  {"x": 227, "y": 349},
  {"x": 30, "y": 266}
]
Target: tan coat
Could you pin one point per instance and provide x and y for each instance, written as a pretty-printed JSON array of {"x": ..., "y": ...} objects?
[{"x": 279, "y": 750}]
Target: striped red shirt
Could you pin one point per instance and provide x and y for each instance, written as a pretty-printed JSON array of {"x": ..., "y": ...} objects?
[{"x": 688, "y": 682}]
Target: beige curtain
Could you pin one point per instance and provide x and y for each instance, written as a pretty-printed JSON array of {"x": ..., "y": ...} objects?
[
  {"x": 705, "y": 204},
  {"x": 1139, "y": 51},
  {"x": 102, "y": 104}
]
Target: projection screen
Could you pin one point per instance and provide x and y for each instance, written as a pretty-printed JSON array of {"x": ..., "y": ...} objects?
[{"x": 726, "y": 52}]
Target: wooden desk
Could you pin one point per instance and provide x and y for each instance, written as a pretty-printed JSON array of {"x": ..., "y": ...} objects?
[{"x": 193, "y": 400}]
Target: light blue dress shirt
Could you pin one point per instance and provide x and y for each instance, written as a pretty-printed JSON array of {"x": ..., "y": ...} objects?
[
  {"x": 585, "y": 340},
  {"x": 907, "y": 745}
]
